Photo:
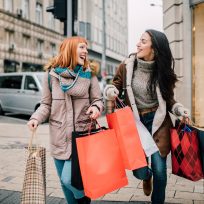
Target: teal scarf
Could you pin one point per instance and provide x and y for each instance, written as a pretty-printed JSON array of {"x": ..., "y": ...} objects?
[{"x": 75, "y": 74}]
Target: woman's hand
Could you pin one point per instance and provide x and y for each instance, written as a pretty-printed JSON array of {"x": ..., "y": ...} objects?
[
  {"x": 94, "y": 112},
  {"x": 32, "y": 124},
  {"x": 110, "y": 92},
  {"x": 184, "y": 112}
]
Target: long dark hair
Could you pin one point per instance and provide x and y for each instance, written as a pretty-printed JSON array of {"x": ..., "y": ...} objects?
[{"x": 163, "y": 71}]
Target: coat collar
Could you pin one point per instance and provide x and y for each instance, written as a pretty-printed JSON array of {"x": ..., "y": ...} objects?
[
  {"x": 129, "y": 62},
  {"x": 161, "y": 111}
]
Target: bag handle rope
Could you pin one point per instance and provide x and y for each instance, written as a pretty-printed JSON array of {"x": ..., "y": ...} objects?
[{"x": 30, "y": 146}]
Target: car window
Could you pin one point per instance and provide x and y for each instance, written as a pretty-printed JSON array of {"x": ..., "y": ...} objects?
[
  {"x": 29, "y": 80},
  {"x": 11, "y": 82}
]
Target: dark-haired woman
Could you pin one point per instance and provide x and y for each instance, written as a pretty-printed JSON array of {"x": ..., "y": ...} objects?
[{"x": 148, "y": 80}]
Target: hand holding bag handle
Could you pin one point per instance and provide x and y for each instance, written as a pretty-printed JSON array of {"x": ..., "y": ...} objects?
[
  {"x": 185, "y": 155},
  {"x": 34, "y": 184},
  {"x": 101, "y": 165}
]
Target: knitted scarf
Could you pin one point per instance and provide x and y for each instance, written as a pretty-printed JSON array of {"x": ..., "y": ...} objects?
[{"x": 68, "y": 79}]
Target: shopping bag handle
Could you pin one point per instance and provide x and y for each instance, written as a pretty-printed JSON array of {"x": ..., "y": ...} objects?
[
  {"x": 90, "y": 125},
  {"x": 122, "y": 104},
  {"x": 31, "y": 139},
  {"x": 185, "y": 121}
]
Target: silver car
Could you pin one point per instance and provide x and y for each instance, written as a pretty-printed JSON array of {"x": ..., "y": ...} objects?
[{"x": 20, "y": 92}]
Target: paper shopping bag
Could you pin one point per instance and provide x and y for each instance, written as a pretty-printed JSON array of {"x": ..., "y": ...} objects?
[
  {"x": 34, "y": 184},
  {"x": 123, "y": 122},
  {"x": 100, "y": 161},
  {"x": 76, "y": 179},
  {"x": 185, "y": 155}
]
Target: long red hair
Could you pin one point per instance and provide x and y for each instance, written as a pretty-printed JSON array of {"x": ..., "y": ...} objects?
[{"x": 67, "y": 56}]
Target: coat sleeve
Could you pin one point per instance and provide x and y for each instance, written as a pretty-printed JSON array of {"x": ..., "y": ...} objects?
[
  {"x": 43, "y": 111},
  {"x": 119, "y": 80},
  {"x": 95, "y": 94},
  {"x": 173, "y": 106}
]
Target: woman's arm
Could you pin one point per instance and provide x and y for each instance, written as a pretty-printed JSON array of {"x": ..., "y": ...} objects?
[{"x": 43, "y": 112}]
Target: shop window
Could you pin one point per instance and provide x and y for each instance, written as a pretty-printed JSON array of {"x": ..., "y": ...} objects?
[{"x": 198, "y": 64}]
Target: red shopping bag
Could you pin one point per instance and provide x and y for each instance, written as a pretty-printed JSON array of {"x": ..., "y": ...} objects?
[
  {"x": 123, "y": 122},
  {"x": 100, "y": 161},
  {"x": 185, "y": 155}
]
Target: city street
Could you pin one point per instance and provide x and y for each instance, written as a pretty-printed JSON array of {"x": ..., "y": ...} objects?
[{"x": 14, "y": 136}]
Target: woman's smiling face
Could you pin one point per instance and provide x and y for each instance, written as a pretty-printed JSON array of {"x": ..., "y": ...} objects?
[
  {"x": 81, "y": 53},
  {"x": 144, "y": 48}
]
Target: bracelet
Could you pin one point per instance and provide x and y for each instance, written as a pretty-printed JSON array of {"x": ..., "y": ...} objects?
[{"x": 96, "y": 107}]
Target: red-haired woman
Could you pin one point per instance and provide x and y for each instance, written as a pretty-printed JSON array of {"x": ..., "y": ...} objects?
[{"x": 70, "y": 99}]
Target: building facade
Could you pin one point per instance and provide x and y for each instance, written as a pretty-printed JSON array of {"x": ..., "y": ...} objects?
[
  {"x": 90, "y": 25},
  {"x": 184, "y": 25},
  {"x": 30, "y": 36}
]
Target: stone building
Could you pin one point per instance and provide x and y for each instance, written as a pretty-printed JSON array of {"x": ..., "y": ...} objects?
[
  {"x": 184, "y": 25},
  {"x": 29, "y": 35}
]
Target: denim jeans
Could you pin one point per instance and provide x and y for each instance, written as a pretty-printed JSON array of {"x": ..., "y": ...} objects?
[
  {"x": 158, "y": 168},
  {"x": 64, "y": 172}
]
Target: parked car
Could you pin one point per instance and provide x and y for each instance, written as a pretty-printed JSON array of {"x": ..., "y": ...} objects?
[{"x": 20, "y": 92}]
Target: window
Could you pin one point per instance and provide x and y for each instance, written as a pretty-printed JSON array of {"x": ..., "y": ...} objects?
[
  {"x": 29, "y": 80},
  {"x": 25, "y": 8},
  {"x": 11, "y": 82},
  {"x": 88, "y": 31},
  {"x": 51, "y": 21},
  {"x": 82, "y": 29},
  {"x": 198, "y": 64},
  {"x": 9, "y": 36},
  {"x": 39, "y": 14},
  {"x": 53, "y": 49},
  {"x": 26, "y": 41},
  {"x": 8, "y": 5},
  {"x": 40, "y": 44}
]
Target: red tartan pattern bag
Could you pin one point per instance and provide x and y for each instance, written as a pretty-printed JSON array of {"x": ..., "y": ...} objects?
[{"x": 185, "y": 155}]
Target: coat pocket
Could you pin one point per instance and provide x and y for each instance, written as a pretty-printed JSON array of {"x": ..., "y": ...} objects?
[{"x": 55, "y": 123}]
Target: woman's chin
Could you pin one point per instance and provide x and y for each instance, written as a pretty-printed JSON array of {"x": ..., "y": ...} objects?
[{"x": 81, "y": 63}]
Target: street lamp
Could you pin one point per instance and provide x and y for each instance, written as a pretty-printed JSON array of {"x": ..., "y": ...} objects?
[
  {"x": 103, "y": 61},
  {"x": 153, "y": 4}
]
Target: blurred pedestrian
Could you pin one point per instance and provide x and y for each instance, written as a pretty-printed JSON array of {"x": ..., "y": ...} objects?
[
  {"x": 71, "y": 98},
  {"x": 146, "y": 79}
]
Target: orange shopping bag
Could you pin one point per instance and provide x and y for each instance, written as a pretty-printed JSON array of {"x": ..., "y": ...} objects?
[
  {"x": 123, "y": 122},
  {"x": 100, "y": 161}
]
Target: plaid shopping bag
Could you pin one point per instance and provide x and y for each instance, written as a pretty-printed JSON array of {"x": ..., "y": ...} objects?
[
  {"x": 34, "y": 184},
  {"x": 185, "y": 155}
]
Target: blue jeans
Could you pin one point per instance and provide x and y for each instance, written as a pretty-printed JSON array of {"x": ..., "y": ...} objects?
[
  {"x": 64, "y": 172},
  {"x": 158, "y": 168}
]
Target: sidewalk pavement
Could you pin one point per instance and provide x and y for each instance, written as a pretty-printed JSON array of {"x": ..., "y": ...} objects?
[{"x": 13, "y": 139}]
